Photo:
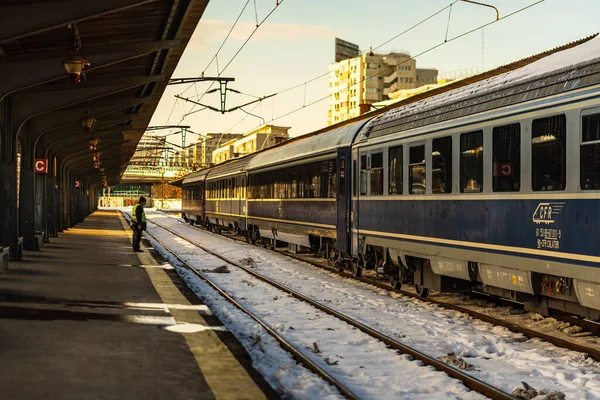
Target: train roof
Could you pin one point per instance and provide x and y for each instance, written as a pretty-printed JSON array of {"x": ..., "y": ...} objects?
[
  {"x": 566, "y": 70},
  {"x": 232, "y": 167},
  {"x": 311, "y": 145},
  {"x": 196, "y": 176}
]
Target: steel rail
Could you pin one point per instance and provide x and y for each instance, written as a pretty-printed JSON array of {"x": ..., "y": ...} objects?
[
  {"x": 468, "y": 380},
  {"x": 298, "y": 356},
  {"x": 512, "y": 326}
]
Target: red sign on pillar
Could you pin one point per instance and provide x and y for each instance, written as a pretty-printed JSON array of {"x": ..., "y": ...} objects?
[
  {"x": 77, "y": 184},
  {"x": 41, "y": 165}
]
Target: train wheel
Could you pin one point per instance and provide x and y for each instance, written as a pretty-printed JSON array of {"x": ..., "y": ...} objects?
[
  {"x": 357, "y": 267},
  {"x": 396, "y": 278},
  {"x": 422, "y": 291}
]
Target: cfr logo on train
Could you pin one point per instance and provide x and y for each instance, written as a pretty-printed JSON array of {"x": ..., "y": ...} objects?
[{"x": 545, "y": 213}]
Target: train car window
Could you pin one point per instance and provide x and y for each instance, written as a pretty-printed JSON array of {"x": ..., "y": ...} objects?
[
  {"x": 506, "y": 149},
  {"x": 395, "y": 159},
  {"x": 251, "y": 194},
  {"x": 293, "y": 182},
  {"x": 376, "y": 174},
  {"x": 441, "y": 160},
  {"x": 549, "y": 153},
  {"x": 315, "y": 180},
  {"x": 363, "y": 175},
  {"x": 471, "y": 162},
  {"x": 590, "y": 152},
  {"x": 417, "y": 170},
  {"x": 325, "y": 179},
  {"x": 281, "y": 184}
]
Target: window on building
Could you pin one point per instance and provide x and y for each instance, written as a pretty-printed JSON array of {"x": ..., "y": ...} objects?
[
  {"x": 417, "y": 170},
  {"x": 506, "y": 149},
  {"x": 376, "y": 174},
  {"x": 549, "y": 153},
  {"x": 363, "y": 174},
  {"x": 441, "y": 164},
  {"x": 396, "y": 165},
  {"x": 590, "y": 152},
  {"x": 471, "y": 162}
]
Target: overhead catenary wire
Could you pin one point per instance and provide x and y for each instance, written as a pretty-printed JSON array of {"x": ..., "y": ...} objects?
[
  {"x": 239, "y": 49},
  {"x": 222, "y": 44},
  {"x": 446, "y": 41},
  {"x": 409, "y": 29},
  {"x": 404, "y": 32}
]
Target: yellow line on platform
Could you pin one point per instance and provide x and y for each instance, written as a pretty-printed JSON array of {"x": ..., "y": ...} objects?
[{"x": 223, "y": 373}]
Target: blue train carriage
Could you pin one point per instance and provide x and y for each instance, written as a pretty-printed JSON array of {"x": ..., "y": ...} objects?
[
  {"x": 294, "y": 189},
  {"x": 192, "y": 203},
  {"x": 226, "y": 201},
  {"x": 494, "y": 186}
]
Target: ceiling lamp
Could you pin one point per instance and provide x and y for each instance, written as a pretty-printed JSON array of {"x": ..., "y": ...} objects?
[
  {"x": 74, "y": 67},
  {"x": 102, "y": 170},
  {"x": 96, "y": 156},
  {"x": 97, "y": 164},
  {"x": 94, "y": 143},
  {"x": 87, "y": 123}
]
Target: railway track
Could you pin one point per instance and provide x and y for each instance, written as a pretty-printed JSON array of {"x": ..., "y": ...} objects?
[
  {"x": 468, "y": 380},
  {"x": 513, "y": 327}
]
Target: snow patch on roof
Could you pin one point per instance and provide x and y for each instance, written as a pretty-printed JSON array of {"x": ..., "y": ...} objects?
[{"x": 312, "y": 145}]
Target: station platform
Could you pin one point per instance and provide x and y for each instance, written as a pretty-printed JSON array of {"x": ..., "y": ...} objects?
[{"x": 86, "y": 317}]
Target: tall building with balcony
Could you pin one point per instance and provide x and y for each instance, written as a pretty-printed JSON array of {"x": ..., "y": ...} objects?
[{"x": 356, "y": 83}]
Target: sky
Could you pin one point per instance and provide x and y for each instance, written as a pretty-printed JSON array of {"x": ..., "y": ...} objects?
[{"x": 296, "y": 44}]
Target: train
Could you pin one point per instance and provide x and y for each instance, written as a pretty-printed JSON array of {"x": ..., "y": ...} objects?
[{"x": 491, "y": 187}]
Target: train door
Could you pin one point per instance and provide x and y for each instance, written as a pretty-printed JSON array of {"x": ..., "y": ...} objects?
[
  {"x": 344, "y": 199},
  {"x": 356, "y": 176}
]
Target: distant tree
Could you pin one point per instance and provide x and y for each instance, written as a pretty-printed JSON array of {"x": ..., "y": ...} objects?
[{"x": 166, "y": 191}]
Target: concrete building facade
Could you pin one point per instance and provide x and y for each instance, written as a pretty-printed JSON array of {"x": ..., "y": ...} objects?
[
  {"x": 203, "y": 150},
  {"x": 357, "y": 82},
  {"x": 258, "y": 139}
]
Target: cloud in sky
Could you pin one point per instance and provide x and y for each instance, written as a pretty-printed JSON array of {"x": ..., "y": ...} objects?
[{"x": 210, "y": 31}]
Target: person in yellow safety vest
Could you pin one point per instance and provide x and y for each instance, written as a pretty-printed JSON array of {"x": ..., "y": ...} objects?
[{"x": 138, "y": 223}]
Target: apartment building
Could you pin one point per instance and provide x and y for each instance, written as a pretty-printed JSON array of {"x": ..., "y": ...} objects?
[
  {"x": 357, "y": 82},
  {"x": 258, "y": 139},
  {"x": 206, "y": 145}
]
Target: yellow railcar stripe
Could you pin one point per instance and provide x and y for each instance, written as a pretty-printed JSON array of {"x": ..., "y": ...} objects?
[{"x": 484, "y": 246}]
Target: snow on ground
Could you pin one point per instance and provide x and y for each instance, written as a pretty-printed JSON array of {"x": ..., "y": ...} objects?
[
  {"x": 501, "y": 358},
  {"x": 363, "y": 364}
]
